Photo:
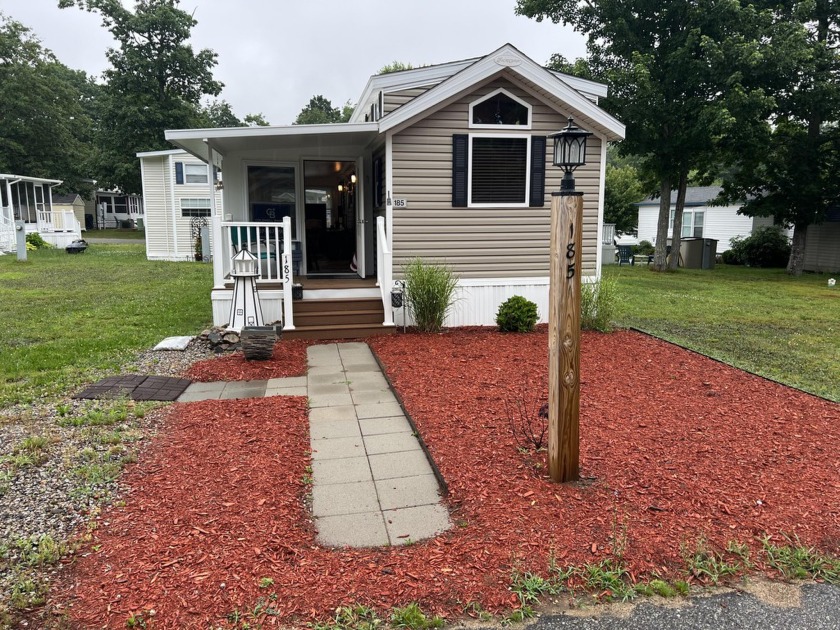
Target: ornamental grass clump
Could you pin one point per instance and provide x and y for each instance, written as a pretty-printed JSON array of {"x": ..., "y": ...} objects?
[
  {"x": 430, "y": 290},
  {"x": 598, "y": 302},
  {"x": 517, "y": 314}
]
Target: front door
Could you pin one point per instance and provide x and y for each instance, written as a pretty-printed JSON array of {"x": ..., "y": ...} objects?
[{"x": 331, "y": 201}]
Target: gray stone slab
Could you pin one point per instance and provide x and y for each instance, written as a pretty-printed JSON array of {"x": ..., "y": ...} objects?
[
  {"x": 404, "y": 492},
  {"x": 336, "y": 412},
  {"x": 288, "y": 381},
  {"x": 344, "y": 470},
  {"x": 344, "y": 498},
  {"x": 384, "y": 410},
  {"x": 325, "y": 429},
  {"x": 174, "y": 343},
  {"x": 367, "y": 382},
  {"x": 244, "y": 389},
  {"x": 286, "y": 391},
  {"x": 215, "y": 386},
  {"x": 375, "y": 426},
  {"x": 321, "y": 370},
  {"x": 415, "y": 523},
  {"x": 391, "y": 443},
  {"x": 337, "y": 448},
  {"x": 405, "y": 464},
  {"x": 330, "y": 378},
  {"x": 331, "y": 400},
  {"x": 197, "y": 396},
  {"x": 321, "y": 355},
  {"x": 374, "y": 397},
  {"x": 352, "y": 530},
  {"x": 361, "y": 367},
  {"x": 352, "y": 346},
  {"x": 316, "y": 389}
]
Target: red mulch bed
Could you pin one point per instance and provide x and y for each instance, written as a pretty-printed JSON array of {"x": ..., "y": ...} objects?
[
  {"x": 678, "y": 445},
  {"x": 288, "y": 359}
]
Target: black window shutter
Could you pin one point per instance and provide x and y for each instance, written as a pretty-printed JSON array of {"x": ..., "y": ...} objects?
[
  {"x": 179, "y": 172},
  {"x": 537, "y": 196},
  {"x": 460, "y": 165}
]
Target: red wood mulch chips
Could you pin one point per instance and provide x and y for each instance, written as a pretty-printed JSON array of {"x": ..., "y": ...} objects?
[
  {"x": 288, "y": 359},
  {"x": 673, "y": 444}
]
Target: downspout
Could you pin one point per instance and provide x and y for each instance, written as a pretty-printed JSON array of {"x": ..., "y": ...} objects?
[{"x": 171, "y": 170}]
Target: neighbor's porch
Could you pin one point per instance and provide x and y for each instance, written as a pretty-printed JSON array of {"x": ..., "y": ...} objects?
[{"x": 29, "y": 199}]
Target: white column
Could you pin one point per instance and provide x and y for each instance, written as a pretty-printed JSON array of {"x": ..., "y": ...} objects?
[{"x": 288, "y": 317}]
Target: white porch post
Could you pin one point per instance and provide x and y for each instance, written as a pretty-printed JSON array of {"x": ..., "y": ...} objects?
[
  {"x": 219, "y": 251},
  {"x": 288, "y": 317}
]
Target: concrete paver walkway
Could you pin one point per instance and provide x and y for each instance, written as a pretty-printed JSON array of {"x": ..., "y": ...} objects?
[{"x": 372, "y": 483}]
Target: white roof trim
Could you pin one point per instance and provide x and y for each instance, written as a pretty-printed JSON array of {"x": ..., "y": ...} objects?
[
  {"x": 34, "y": 180},
  {"x": 509, "y": 57},
  {"x": 582, "y": 85},
  {"x": 271, "y": 131},
  {"x": 143, "y": 154}
]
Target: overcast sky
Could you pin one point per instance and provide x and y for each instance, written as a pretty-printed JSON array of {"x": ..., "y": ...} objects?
[{"x": 274, "y": 55}]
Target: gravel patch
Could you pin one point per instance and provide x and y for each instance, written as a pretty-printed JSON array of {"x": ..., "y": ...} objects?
[{"x": 59, "y": 462}]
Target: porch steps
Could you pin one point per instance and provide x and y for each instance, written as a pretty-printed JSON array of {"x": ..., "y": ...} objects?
[{"x": 338, "y": 318}]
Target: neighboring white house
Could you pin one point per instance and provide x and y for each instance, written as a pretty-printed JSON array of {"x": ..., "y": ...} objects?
[
  {"x": 114, "y": 209},
  {"x": 176, "y": 190},
  {"x": 451, "y": 162},
  {"x": 29, "y": 199}
]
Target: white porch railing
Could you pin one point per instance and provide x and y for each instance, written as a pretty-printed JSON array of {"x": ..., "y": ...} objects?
[
  {"x": 608, "y": 234},
  {"x": 8, "y": 239},
  {"x": 58, "y": 221},
  {"x": 384, "y": 270},
  {"x": 270, "y": 243}
]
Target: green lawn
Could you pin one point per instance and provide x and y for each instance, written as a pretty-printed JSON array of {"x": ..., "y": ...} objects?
[
  {"x": 761, "y": 320},
  {"x": 128, "y": 234},
  {"x": 67, "y": 316}
]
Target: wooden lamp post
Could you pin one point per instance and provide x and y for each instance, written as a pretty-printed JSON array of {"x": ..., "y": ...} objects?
[{"x": 564, "y": 309}]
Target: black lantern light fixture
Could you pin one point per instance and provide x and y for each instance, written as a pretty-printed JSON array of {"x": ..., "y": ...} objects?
[{"x": 570, "y": 152}]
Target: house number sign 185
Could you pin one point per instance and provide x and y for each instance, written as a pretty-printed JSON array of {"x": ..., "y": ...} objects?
[
  {"x": 400, "y": 203},
  {"x": 570, "y": 253}
]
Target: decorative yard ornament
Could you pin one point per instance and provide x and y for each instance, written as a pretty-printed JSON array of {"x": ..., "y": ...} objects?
[
  {"x": 245, "y": 307},
  {"x": 564, "y": 309}
]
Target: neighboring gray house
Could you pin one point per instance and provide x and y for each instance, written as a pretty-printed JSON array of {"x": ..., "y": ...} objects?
[{"x": 447, "y": 163}]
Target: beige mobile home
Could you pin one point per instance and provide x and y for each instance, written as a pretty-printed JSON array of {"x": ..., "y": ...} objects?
[{"x": 448, "y": 163}]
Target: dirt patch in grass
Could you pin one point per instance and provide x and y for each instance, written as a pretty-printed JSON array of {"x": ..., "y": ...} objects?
[{"x": 674, "y": 448}]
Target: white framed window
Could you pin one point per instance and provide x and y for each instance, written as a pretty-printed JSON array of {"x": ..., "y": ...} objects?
[
  {"x": 692, "y": 223},
  {"x": 499, "y": 170},
  {"x": 500, "y": 109},
  {"x": 195, "y": 207},
  {"x": 195, "y": 174}
]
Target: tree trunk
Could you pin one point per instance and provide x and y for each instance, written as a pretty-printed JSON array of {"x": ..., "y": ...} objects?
[
  {"x": 676, "y": 235},
  {"x": 659, "y": 262},
  {"x": 797, "y": 250}
]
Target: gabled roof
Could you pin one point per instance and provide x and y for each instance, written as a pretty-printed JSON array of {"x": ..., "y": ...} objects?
[
  {"x": 67, "y": 199},
  {"x": 694, "y": 196},
  {"x": 508, "y": 61}
]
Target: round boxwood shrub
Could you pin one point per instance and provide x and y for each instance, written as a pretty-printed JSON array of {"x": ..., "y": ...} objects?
[{"x": 516, "y": 314}]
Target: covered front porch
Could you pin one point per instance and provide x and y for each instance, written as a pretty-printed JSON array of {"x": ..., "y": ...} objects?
[
  {"x": 307, "y": 203},
  {"x": 29, "y": 199}
]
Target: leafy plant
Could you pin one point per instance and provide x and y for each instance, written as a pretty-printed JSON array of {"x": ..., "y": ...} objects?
[
  {"x": 708, "y": 565},
  {"x": 430, "y": 292},
  {"x": 413, "y": 617},
  {"x": 765, "y": 247},
  {"x": 608, "y": 576},
  {"x": 265, "y": 582},
  {"x": 517, "y": 314},
  {"x": 644, "y": 248},
  {"x": 598, "y": 304},
  {"x": 37, "y": 241},
  {"x": 27, "y": 593},
  {"x": 529, "y": 587}
]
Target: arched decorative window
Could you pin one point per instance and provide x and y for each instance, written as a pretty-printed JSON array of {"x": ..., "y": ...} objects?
[{"x": 500, "y": 109}]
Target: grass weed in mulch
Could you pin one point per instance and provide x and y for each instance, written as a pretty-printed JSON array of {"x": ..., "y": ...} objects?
[{"x": 677, "y": 448}]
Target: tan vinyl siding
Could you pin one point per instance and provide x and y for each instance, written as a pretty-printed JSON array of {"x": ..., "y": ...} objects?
[
  {"x": 393, "y": 100},
  {"x": 481, "y": 242},
  {"x": 156, "y": 183}
]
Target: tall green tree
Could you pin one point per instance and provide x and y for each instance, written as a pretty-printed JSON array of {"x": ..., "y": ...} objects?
[
  {"x": 676, "y": 70},
  {"x": 156, "y": 82},
  {"x": 45, "y": 122},
  {"x": 320, "y": 111},
  {"x": 789, "y": 170}
]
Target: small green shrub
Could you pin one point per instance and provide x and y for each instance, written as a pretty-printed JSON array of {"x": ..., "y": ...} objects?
[
  {"x": 517, "y": 314},
  {"x": 765, "y": 247},
  {"x": 731, "y": 257},
  {"x": 35, "y": 239},
  {"x": 644, "y": 248},
  {"x": 598, "y": 302},
  {"x": 430, "y": 291}
]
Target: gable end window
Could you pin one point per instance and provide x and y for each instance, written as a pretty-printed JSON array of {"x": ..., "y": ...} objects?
[
  {"x": 498, "y": 170},
  {"x": 500, "y": 109}
]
